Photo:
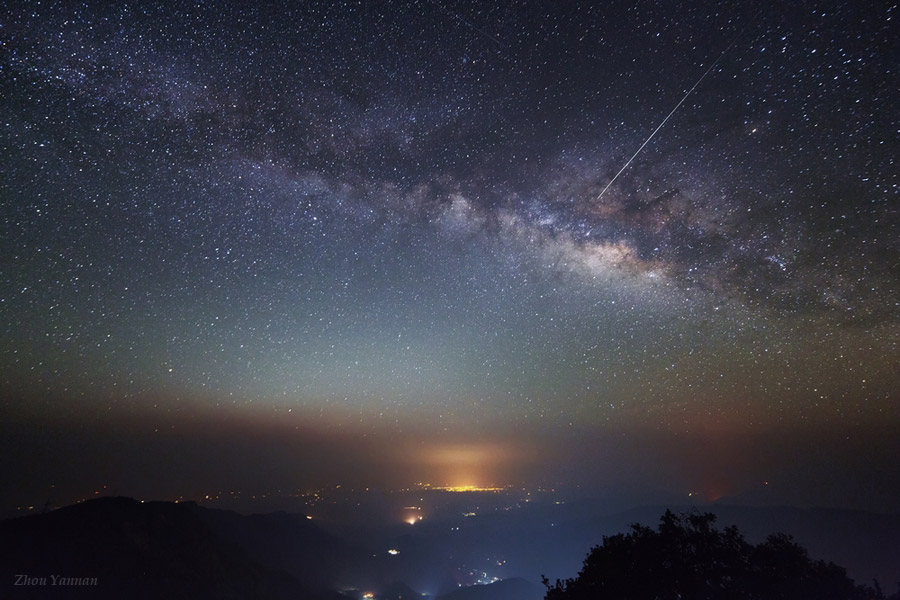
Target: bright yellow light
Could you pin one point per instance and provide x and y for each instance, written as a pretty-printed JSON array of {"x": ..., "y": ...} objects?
[
  {"x": 468, "y": 488},
  {"x": 467, "y": 466},
  {"x": 393, "y": 552},
  {"x": 412, "y": 520}
]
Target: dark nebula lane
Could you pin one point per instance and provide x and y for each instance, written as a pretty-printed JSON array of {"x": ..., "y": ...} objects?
[{"x": 408, "y": 224}]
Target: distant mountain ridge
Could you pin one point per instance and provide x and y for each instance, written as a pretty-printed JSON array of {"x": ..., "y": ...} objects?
[
  {"x": 162, "y": 549},
  {"x": 123, "y": 548}
]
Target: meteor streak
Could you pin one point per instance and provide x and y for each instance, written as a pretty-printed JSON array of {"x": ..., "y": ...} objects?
[{"x": 658, "y": 127}]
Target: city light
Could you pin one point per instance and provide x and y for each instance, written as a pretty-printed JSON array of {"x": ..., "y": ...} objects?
[{"x": 468, "y": 488}]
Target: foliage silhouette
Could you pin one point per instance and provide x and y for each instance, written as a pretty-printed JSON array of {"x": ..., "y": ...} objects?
[{"x": 686, "y": 557}]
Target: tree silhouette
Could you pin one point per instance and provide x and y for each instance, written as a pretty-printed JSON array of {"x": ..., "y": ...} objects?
[{"x": 686, "y": 557}]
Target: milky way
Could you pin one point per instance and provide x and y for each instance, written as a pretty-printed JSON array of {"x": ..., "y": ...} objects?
[{"x": 389, "y": 215}]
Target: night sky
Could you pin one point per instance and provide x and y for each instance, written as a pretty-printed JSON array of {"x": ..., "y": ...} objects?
[{"x": 361, "y": 242}]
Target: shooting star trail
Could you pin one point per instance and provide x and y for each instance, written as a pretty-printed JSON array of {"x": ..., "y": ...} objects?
[{"x": 647, "y": 141}]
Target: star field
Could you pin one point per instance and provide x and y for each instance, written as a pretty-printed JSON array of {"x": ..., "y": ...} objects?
[{"x": 387, "y": 216}]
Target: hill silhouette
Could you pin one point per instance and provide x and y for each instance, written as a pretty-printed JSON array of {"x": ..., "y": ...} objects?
[
  {"x": 120, "y": 547},
  {"x": 123, "y": 548},
  {"x": 284, "y": 542}
]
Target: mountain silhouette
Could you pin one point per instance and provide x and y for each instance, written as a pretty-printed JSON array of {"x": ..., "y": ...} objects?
[{"x": 123, "y": 548}]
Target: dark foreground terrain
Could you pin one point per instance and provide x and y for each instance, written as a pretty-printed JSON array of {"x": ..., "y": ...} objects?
[{"x": 124, "y": 548}]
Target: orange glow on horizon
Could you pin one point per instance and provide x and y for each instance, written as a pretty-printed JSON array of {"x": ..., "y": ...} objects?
[
  {"x": 469, "y": 466},
  {"x": 465, "y": 488}
]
